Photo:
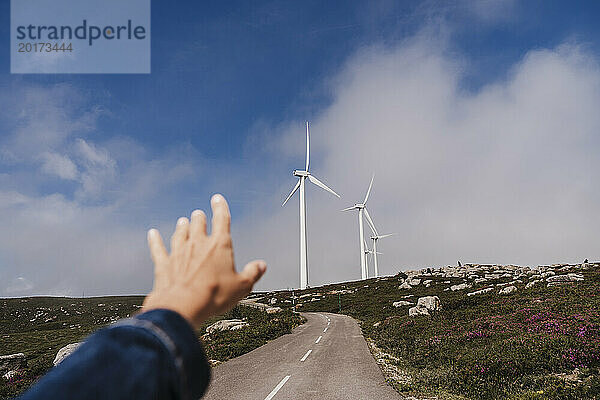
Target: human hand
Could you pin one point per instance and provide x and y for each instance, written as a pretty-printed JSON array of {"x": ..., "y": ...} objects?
[{"x": 198, "y": 279}]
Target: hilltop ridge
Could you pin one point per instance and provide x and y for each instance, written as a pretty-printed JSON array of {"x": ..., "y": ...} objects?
[{"x": 540, "y": 339}]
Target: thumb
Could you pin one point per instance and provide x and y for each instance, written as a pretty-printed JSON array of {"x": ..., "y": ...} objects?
[{"x": 252, "y": 272}]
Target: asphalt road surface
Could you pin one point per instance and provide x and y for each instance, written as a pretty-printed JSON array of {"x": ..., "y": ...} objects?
[{"x": 326, "y": 358}]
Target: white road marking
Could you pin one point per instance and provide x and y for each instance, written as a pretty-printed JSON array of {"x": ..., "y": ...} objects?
[
  {"x": 325, "y": 330},
  {"x": 328, "y": 322},
  {"x": 305, "y": 356},
  {"x": 319, "y": 339},
  {"x": 279, "y": 386}
]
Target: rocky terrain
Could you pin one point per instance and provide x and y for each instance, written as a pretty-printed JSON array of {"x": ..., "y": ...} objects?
[{"x": 477, "y": 331}]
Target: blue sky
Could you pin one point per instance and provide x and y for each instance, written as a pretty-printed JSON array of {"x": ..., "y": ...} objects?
[
  {"x": 218, "y": 68},
  {"x": 221, "y": 111}
]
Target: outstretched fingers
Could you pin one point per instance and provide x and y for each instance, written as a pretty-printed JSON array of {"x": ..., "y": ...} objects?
[
  {"x": 251, "y": 273},
  {"x": 182, "y": 230},
  {"x": 198, "y": 225},
  {"x": 158, "y": 251},
  {"x": 221, "y": 219}
]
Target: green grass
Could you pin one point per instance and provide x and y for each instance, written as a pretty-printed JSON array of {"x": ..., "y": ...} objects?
[
  {"x": 539, "y": 343},
  {"x": 263, "y": 327},
  {"x": 40, "y": 326}
]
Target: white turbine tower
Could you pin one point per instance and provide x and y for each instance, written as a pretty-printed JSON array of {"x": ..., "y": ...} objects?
[
  {"x": 374, "y": 253},
  {"x": 302, "y": 175},
  {"x": 362, "y": 210},
  {"x": 375, "y": 238}
]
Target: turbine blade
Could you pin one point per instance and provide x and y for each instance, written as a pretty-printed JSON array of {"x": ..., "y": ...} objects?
[
  {"x": 349, "y": 208},
  {"x": 370, "y": 221},
  {"x": 321, "y": 185},
  {"x": 387, "y": 235},
  {"x": 369, "y": 190},
  {"x": 292, "y": 192},
  {"x": 307, "y": 147}
]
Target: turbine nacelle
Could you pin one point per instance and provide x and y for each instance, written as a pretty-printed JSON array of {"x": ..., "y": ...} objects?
[
  {"x": 377, "y": 237},
  {"x": 300, "y": 173},
  {"x": 356, "y": 206}
]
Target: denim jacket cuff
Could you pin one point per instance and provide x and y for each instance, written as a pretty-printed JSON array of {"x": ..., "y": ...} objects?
[{"x": 183, "y": 345}]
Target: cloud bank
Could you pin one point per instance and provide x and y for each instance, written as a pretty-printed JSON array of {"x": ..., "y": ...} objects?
[{"x": 505, "y": 173}]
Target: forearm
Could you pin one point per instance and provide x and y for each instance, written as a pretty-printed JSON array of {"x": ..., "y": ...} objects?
[{"x": 153, "y": 355}]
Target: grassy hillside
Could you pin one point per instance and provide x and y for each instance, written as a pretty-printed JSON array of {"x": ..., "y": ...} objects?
[
  {"x": 40, "y": 326},
  {"x": 536, "y": 343},
  {"x": 539, "y": 342}
]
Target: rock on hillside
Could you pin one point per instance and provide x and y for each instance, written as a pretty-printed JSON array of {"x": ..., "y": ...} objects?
[
  {"x": 425, "y": 305},
  {"x": 226, "y": 325},
  {"x": 402, "y": 303},
  {"x": 560, "y": 279},
  {"x": 508, "y": 290},
  {"x": 512, "y": 276},
  {"x": 432, "y": 303},
  {"x": 482, "y": 291},
  {"x": 414, "y": 311},
  {"x": 65, "y": 352},
  {"x": 12, "y": 362}
]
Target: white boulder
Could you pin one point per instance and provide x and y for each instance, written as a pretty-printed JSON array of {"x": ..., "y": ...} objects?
[
  {"x": 431, "y": 303},
  {"x": 227, "y": 325},
  {"x": 12, "y": 362},
  {"x": 460, "y": 286},
  {"x": 572, "y": 277},
  {"x": 405, "y": 285},
  {"x": 532, "y": 283},
  {"x": 11, "y": 375},
  {"x": 425, "y": 305},
  {"x": 64, "y": 352},
  {"x": 402, "y": 303},
  {"x": 482, "y": 291},
  {"x": 415, "y": 311},
  {"x": 508, "y": 290}
]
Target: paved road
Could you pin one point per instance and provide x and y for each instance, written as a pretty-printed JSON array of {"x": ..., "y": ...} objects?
[{"x": 302, "y": 366}]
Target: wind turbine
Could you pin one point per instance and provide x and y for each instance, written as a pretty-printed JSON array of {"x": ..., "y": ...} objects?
[
  {"x": 362, "y": 210},
  {"x": 375, "y": 238},
  {"x": 374, "y": 253},
  {"x": 302, "y": 175}
]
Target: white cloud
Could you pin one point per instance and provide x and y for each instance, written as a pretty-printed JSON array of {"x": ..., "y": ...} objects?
[
  {"x": 89, "y": 236},
  {"x": 99, "y": 169},
  {"x": 43, "y": 118},
  {"x": 59, "y": 165},
  {"x": 93, "y": 155}
]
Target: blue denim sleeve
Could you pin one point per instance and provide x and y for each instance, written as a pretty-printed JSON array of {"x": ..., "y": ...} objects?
[{"x": 154, "y": 355}]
